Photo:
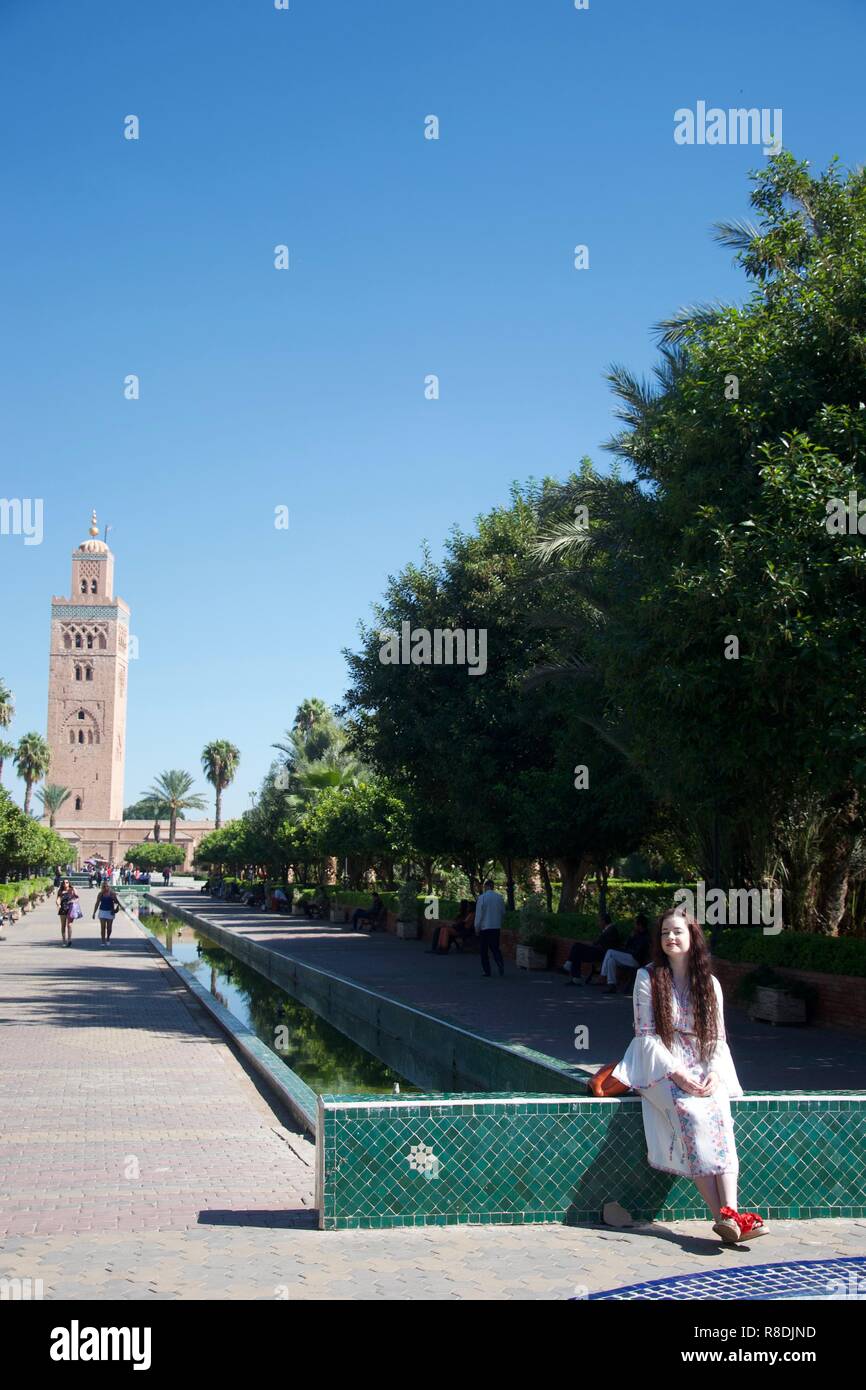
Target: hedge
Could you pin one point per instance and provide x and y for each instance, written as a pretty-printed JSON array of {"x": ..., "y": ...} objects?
[
  {"x": 828, "y": 955},
  {"x": 23, "y": 888}
]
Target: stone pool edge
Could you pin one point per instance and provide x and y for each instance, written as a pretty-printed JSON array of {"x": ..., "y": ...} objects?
[{"x": 295, "y": 1094}]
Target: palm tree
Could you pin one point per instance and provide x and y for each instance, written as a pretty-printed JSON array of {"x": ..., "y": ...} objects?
[
  {"x": 7, "y": 705},
  {"x": 6, "y": 751},
  {"x": 32, "y": 761},
  {"x": 52, "y": 797},
  {"x": 220, "y": 763},
  {"x": 172, "y": 789}
]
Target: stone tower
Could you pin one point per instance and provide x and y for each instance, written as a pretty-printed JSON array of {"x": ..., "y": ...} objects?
[{"x": 87, "y": 688}]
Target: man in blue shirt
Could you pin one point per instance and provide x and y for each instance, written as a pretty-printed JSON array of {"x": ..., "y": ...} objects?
[{"x": 489, "y": 916}]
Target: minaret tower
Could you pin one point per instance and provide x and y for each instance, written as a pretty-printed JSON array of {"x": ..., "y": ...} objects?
[{"x": 87, "y": 688}]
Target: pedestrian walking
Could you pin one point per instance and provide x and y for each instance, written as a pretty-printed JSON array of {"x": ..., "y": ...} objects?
[
  {"x": 68, "y": 910},
  {"x": 489, "y": 916},
  {"x": 107, "y": 905}
]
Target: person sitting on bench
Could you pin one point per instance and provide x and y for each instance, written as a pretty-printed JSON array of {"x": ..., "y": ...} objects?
[
  {"x": 321, "y": 904},
  {"x": 374, "y": 914},
  {"x": 636, "y": 953},
  {"x": 595, "y": 953},
  {"x": 459, "y": 931}
]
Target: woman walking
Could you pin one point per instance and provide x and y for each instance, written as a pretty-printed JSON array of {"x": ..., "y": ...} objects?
[
  {"x": 66, "y": 898},
  {"x": 680, "y": 1063},
  {"x": 107, "y": 905}
]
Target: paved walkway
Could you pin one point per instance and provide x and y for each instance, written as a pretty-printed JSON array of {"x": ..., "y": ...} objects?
[
  {"x": 532, "y": 1007},
  {"x": 138, "y": 1160}
]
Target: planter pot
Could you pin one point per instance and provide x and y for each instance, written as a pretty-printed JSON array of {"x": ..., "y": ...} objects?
[
  {"x": 777, "y": 1006},
  {"x": 407, "y": 931},
  {"x": 527, "y": 959}
]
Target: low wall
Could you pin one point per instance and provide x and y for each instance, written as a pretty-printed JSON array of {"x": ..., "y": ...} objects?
[
  {"x": 841, "y": 999},
  {"x": 451, "y": 1160},
  {"x": 428, "y": 1051}
]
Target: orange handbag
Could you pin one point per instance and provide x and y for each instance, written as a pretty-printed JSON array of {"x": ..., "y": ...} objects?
[{"x": 604, "y": 1084}]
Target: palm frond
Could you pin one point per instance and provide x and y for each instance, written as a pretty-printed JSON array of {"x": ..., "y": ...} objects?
[
  {"x": 687, "y": 321},
  {"x": 739, "y": 235}
]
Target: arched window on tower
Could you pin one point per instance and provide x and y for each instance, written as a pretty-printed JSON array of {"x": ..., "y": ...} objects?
[
  {"x": 78, "y": 642},
  {"x": 102, "y": 642},
  {"x": 84, "y": 586},
  {"x": 78, "y": 673},
  {"x": 89, "y": 673},
  {"x": 80, "y": 735},
  {"x": 78, "y": 803},
  {"x": 81, "y": 714},
  {"x": 89, "y": 735},
  {"x": 71, "y": 735},
  {"x": 93, "y": 586},
  {"x": 67, "y": 641},
  {"x": 90, "y": 642}
]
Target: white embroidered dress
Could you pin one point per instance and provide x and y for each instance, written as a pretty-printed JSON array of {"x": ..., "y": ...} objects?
[{"x": 685, "y": 1134}]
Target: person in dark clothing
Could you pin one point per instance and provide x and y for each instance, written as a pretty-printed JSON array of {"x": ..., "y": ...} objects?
[
  {"x": 594, "y": 953},
  {"x": 458, "y": 931},
  {"x": 633, "y": 956},
  {"x": 374, "y": 915}
]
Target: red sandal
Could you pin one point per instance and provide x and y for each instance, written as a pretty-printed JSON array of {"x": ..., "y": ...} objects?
[{"x": 748, "y": 1223}]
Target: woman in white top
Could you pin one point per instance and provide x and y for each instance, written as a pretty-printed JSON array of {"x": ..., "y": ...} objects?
[{"x": 682, "y": 1067}]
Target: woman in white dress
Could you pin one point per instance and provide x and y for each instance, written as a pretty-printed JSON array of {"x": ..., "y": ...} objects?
[{"x": 681, "y": 1065}]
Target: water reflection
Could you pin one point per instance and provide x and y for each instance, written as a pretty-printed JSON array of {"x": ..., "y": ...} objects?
[{"x": 323, "y": 1057}]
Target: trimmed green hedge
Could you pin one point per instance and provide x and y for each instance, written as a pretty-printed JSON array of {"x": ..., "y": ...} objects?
[
  {"x": 829, "y": 955},
  {"x": 626, "y": 899},
  {"x": 23, "y": 888}
]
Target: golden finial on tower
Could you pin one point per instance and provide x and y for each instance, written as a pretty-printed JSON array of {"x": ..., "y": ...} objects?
[{"x": 94, "y": 529}]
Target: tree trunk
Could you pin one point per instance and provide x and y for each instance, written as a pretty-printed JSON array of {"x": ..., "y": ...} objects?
[
  {"x": 573, "y": 872},
  {"x": 330, "y": 870},
  {"x": 509, "y": 881},
  {"x": 157, "y": 830},
  {"x": 172, "y": 827},
  {"x": 219, "y": 807},
  {"x": 839, "y": 843},
  {"x": 602, "y": 874},
  {"x": 548, "y": 886},
  {"x": 27, "y": 795}
]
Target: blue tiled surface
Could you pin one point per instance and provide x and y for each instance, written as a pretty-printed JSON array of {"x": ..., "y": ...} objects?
[{"x": 810, "y": 1279}]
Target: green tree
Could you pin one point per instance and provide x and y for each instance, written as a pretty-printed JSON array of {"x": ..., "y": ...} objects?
[
  {"x": 32, "y": 762},
  {"x": 7, "y": 705},
  {"x": 148, "y": 856},
  {"x": 7, "y": 750},
  {"x": 53, "y": 797},
  {"x": 710, "y": 605},
  {"x": 173, "y": 790},
  {"x": 458, "y": 747},
  {"x": 220, "y": 760}
]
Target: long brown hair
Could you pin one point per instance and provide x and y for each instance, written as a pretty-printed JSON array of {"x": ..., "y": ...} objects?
[{"x": 700, "y": 984}]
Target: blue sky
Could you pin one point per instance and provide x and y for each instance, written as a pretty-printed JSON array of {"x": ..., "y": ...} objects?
[{"x": 305, "y": 388}]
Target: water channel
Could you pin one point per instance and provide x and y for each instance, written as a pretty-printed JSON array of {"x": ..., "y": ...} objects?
[{"x": 328, "y": 1061}]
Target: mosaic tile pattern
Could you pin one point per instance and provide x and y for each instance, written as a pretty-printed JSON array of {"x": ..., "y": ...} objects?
[
  {"x": 812, "y": 1279},
  {"x": 528, "y": 1159}
]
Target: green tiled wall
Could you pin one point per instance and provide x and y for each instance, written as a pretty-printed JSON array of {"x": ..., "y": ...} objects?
[{"x": 513, "y": 1160}]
